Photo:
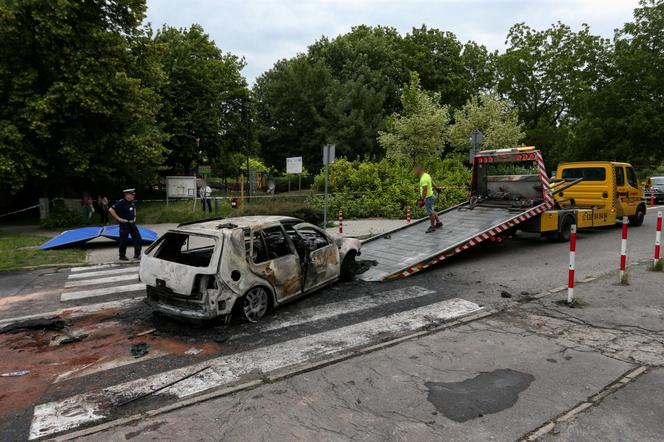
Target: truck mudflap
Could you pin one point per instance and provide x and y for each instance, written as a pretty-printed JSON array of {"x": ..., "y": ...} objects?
[{"x": 407, "y": 250}]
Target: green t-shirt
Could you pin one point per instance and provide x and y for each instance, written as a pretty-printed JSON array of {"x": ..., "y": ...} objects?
[{"x": 425, "y": 180}]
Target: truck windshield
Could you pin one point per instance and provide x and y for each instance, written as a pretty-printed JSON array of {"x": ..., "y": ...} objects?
[
  {"x": 587, "y": 173},
  {"x": 657, "y": 181},
  {"x": 184, "y": 248}
]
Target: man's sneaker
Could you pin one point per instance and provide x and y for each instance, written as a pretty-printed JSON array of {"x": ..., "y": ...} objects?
[
  {"x": 430, "y": 229},
  {"x": 439, "y": 225},
  {"x": 124, "y": 258},
  {"x": 136, "y": 258}
]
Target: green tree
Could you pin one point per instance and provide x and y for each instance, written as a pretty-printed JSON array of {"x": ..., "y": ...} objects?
[
  {"x": 205, "y": 98},
  {"x": 624, "y": 117},
  {"x": 545, "y": 74},
  {"x": 419, "y": 133},
  {"x": 493, "y": 117},
  {"x": 77, "y": 95}
]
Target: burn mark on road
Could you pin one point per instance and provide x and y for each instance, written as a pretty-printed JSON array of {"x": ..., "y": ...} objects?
[{"x": 486, "y": 393}]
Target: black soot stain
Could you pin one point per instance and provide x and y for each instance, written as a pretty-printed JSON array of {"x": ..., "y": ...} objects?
[{"x": 486, "y": 393}]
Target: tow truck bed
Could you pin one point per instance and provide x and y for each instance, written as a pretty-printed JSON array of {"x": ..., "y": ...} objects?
[{"x": 409, "y": 249}]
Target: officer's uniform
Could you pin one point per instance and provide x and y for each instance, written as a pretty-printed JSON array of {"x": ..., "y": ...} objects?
[{"x": 127, "y": 210}]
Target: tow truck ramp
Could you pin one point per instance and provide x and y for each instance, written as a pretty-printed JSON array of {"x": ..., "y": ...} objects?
[{"x": 407, "y": 250}]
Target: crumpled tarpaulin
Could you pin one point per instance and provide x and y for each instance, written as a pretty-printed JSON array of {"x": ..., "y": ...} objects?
[{"x": 83, "y": 234}]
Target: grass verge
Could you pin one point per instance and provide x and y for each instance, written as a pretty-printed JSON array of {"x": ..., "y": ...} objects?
[{"x": 18, "y": 251}]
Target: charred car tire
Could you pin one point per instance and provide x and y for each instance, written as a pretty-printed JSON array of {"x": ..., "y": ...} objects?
[
  {"x": 255, "y": 304},
  {"x": 638, "y": 217},
  {"x": 348, "y": 266}
]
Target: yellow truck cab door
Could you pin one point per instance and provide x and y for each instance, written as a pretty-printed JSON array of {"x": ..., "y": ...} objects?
[
  {"x": 622, "y": 193},
  {"x": 633, "y": 190}
]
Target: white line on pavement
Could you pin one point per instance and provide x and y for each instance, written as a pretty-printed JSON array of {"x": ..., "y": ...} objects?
[
  {"x": 72, "y": 296},
  {"x": 99, "y": 366},
  {"x": 656, "y": 207},
  {"x": 106, "y": 280},
  {"x": 333, "y": 309},
  {"x": 85, "y": 275},
  {"x": 97, "y": 267},
  {"x": 72, "y": 412},
  {"x": 77, "y": 311}
]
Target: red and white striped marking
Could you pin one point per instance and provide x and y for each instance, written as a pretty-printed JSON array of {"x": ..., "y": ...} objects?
[
  {"x": 546, "y": 191},
  {"x": 407, "y": 215},
  {"x": 341, "y": 221},
  {"x": 658, "y": 238},
  {"x": 623, "y": 249},
  {"x": 572, "y": 265},
  {"x": 652, "y": 199}
]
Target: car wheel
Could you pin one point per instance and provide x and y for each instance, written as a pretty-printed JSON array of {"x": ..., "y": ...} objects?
[
  {"x": 638, "y": 217},
  {"x": 565, "y": 231},
  {"x": 255, "y": 304},
  {"x": 348, "y": 266}
]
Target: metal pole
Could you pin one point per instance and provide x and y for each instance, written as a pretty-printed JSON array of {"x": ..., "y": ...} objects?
[
  {"x": 623, "y": 250},
  {"x": 289, "y": 182},
  {"x": 325, "y": 209},
  {"x": 300, "y": 180},
  {"x": 658, "y": 240},
  {"x": 572, "y": 264}
]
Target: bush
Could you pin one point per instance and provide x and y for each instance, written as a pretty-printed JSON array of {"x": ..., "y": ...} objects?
[
  {"x": 296, "y": 209},
  {"x": 61, "y": 216},
  {"x": 364, "y": 189}
]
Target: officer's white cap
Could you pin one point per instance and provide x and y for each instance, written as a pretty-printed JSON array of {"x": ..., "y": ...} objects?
[{"x": 129, "y": 191}]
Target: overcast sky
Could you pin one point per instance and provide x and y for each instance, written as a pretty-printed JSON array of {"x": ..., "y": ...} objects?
[{"x": 264, "y": 31}]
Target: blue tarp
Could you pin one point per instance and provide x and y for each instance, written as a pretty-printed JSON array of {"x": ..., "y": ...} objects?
[
  {"x": 76, "y": 236},
  {"x": 113, "y": 232},
  {"x": 70, "y": 237}
]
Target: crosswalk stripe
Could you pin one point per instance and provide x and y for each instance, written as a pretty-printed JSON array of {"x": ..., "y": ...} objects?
[
  {"x": 79, "y": 283},
  {"x": 83, "y": 294},
  {"x": 97, "y": 267},
  {"x": 85, "y": 275},
  {"x": 334, "y": 309},
  {"x": 99, "y": 366},
  {"x": 77, "y": 311},
  {"x": 72, "y": 412}
]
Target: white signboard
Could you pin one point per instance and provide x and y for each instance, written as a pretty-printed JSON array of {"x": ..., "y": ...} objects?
[
  {"x": 294, "y": 165},
  {"x": 181, "y": 186}
]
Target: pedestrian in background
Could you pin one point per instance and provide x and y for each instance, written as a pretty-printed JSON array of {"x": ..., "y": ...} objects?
[
  {"x": 87, "y": 209},
  {"x": 205, "y": 193},
  {"x": 124, "y": 212},
  {"x": 427, "y": 199},
  {"x": 102, "y": 204}
]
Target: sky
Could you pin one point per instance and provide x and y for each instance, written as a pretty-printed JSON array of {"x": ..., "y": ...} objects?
[{"x": 264, "y": 31}]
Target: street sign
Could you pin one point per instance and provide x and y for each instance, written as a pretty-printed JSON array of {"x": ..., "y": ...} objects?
[
  {"x": 204, "y": 170},
  {"x": 294, "y": 165},
  {"x": 476, "y": 138},
  {"x": 180, "y": 187},
  {"x": 328, "y": 154}
]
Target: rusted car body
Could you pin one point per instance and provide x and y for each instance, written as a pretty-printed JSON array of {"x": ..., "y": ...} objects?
[{"x": 246, "y": 265}]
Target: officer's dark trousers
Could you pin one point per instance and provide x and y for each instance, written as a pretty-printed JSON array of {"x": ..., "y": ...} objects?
[{"x": 127, "y": 229}]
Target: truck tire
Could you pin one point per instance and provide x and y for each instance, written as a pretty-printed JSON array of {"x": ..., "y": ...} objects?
[
  {"x": 638, "y": 217},
  {"x": 564, "y": 231}
]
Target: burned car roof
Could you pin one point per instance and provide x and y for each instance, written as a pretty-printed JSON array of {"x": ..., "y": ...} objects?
[{"x": 238, "y": 222}]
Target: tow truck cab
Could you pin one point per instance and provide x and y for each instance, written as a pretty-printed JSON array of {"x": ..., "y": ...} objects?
[{"x": 600, "y": 193}]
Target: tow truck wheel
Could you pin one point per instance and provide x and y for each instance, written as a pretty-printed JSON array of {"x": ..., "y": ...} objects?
[
  {"x": 638, "y": 217},
  {"x": 255, "y": 304},
  {"x": 565, "y": 231}
]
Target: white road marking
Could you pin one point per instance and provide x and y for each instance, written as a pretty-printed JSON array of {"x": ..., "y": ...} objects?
[
  {"x": 99, "y": 366},
  {"x": 77, "y": 311},
  {"x": 97, "y": 267},
  {"x": 72, "y": 296},
  {"x": 106, "y": 280},
  {"x": 333, "y": 309},
  {"x": 656, "y": 207},
  {"x": 85, "y": 275},
  {"x": 66, "y": 414}
]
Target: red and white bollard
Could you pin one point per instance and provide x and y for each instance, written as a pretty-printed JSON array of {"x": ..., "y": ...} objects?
[
  {"x": 652, "y": 199},
  {"x": 623, "y": 249},
  {"x": 572, "y": 265},
  {"x": 658, "y": 239},
  {"x": 407, "y": 215},
  {"x": 341, "y": 221}
]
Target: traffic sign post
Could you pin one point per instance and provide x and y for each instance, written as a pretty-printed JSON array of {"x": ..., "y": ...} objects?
[
  {"x": 476, "y": 138},
  {"x": 328, "y": 158},
  {"x": 294, "y": 165}
]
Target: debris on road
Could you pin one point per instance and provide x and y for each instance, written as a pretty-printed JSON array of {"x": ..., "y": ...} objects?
[
  {"x": 139, "y": 350},
  {"x": 14, "y": 373},
  {"x": 54, "y": 323},
  {"x": 73, "y": 338},
  {"x": 146, "y": 332},
  {"x": 505, "y": 294},
  {"x": 193, "y": 351}
]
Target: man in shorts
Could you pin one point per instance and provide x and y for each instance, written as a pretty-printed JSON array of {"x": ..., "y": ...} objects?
[{"x": 426, "y": 194}]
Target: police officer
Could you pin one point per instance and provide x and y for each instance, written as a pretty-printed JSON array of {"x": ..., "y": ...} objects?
[{"x": 124, "y": 211}]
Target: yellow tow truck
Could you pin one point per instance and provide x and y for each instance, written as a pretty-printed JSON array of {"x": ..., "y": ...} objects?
[{"x": 590, "y": 194}]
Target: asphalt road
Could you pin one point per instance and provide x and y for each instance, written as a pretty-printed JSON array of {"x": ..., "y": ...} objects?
[{"x": 314, "y": 327}]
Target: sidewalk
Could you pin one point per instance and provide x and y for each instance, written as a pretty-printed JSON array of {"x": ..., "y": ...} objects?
[{"x": 498, "y": 378}]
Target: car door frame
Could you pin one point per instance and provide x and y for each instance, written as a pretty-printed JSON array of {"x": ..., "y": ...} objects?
[
  {"x": 326, "y": 258},
  {"x": 284, "y": 273},
  {"x": 622, "y": 193}
]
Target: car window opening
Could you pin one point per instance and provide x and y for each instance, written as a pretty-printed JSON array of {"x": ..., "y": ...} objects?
[
  {"x": 587, "y": 173},
  {"x": 182, "y": 248}
]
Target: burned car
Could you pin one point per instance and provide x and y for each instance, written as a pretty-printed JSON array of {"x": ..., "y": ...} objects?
[{"x": 245, "y": 265}]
